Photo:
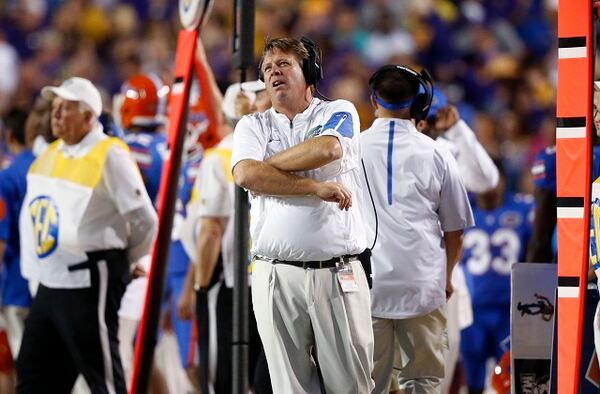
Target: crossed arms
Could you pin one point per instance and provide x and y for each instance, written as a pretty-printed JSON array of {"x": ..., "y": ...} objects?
[{"x": 274, "y": 177}]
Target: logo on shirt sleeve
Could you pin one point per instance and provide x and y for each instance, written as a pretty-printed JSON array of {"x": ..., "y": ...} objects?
[
  {"x": 315, "y": 131},
  {"x": 44, "y": 217},
  {"x": 341, "y": 122}
]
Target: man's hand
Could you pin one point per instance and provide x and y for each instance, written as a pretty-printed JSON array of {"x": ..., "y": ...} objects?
[
  {"x": 138, "y": 271},
  {"x": 185, "y": 305},
  {"x": 446, "y": 117},
  {"x": 449, "y": 289},
  {"x": 334, "y": 192}
]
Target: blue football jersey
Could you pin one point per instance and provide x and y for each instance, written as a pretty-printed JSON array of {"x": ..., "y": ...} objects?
[
  {"x": 6, "y": 158},
  {"x": 178, "y": 258},
  {"x": 498, "y": 240},
  {"x": 544, "y": 169},
  {"x": 13, "y": 185},
  {"x": 148, "y": 150}
]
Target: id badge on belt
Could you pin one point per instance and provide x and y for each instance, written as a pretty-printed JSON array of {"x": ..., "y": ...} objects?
[{"x": 346, "y": 278}]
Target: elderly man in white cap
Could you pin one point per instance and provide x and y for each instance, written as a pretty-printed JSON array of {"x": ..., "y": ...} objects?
[{"x": 85, "y": 217}]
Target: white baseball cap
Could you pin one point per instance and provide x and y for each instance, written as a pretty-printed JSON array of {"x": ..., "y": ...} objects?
[
  {"x": 250, "y": 89},
  {"x": 76, "y": 89}
]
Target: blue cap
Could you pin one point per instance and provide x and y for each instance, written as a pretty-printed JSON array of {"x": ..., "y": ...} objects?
[{"x": 438, "y": 101}]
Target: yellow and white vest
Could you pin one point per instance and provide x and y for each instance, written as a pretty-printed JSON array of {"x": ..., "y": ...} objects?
[{"x": 59, "y": 189}]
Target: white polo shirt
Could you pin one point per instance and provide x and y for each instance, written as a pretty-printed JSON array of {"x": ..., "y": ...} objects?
[
  {"x": 76, "y": 202},
  {"x": 304, "y": 228},
  {"x": 418, "y": 193}
]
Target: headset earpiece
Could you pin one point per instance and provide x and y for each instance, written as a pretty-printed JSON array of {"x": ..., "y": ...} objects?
[{"x": 311, "y": 67}]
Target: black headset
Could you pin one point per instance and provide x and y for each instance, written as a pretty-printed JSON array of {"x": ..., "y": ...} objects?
[
  {"x": 421, "y": 102},
  {"x": 311, "y": 67}
]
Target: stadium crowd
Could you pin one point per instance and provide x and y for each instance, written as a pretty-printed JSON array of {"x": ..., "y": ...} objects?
[{"x": 496, "y": 60}]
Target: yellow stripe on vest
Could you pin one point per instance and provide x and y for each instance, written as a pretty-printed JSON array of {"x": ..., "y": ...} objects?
[
  {"x": 85, "y": 170},
  {"x": 225, "y": 159},
  {"x": 225, "y": 156}
]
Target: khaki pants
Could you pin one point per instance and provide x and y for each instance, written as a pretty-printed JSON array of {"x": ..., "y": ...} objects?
[
  {"x": 459, "y": 315},
  {"x": 419, "y": 343},
  {"x": 300, "y": 312}
]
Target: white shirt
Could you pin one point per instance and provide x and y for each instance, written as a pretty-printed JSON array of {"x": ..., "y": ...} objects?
[
  {"x": 215, "y": 189},
  {"x": 478, "y": 171},
  {"x": 39, "y": 145},
  {"x": 304, "y": 228},
  {"x": 115, "y": 214},
  {"x": 418, "y": 193}
]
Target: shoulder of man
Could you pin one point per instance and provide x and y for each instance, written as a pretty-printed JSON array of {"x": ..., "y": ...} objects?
[
  {"x": 115, "y": 143},
  {"x": 116, "y": 149},
  {"x": 50, "y": 151},
  {"x": 340, "y": 105},
  {"x": 251, "y": 120},
  {"x": 446, "y": 146},
  {"x": 442, "y": 152},
  {"x": 342, "y": 117}
]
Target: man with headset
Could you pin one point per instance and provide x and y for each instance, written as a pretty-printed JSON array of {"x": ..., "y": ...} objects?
[
  {"x": 310, "y": 293},
  {"x": 423, "y": 208}
]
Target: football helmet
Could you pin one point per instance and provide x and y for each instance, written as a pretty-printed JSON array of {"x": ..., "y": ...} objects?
[
  {"x": 143, "y": 101},
  {"x": 500, "y": 380}
]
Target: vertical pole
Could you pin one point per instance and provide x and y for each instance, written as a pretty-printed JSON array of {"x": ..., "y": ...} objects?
[{"x": 243, "y": 58}]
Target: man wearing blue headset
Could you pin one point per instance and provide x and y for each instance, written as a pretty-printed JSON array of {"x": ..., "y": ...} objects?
[{"x": 422, "y": 209}]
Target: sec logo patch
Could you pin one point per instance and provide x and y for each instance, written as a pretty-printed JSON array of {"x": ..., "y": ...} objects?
[{"x": 44, "y": 217}]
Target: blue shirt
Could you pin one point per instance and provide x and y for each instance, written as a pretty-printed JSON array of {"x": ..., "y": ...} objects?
[
  {"x": 499, "y": 240},
  {"x": 13, "y": 185},
  {"x": 148, "y": 150},
  {"x": 178, "y": 258},
  {"x": 544, "y": 169}
]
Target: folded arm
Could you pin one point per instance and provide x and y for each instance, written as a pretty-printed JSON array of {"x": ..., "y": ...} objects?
[
  {"x": 263, "y": 178},
  {"x": 479, "y": 171},
  {"x": 308, "y": 155}
]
